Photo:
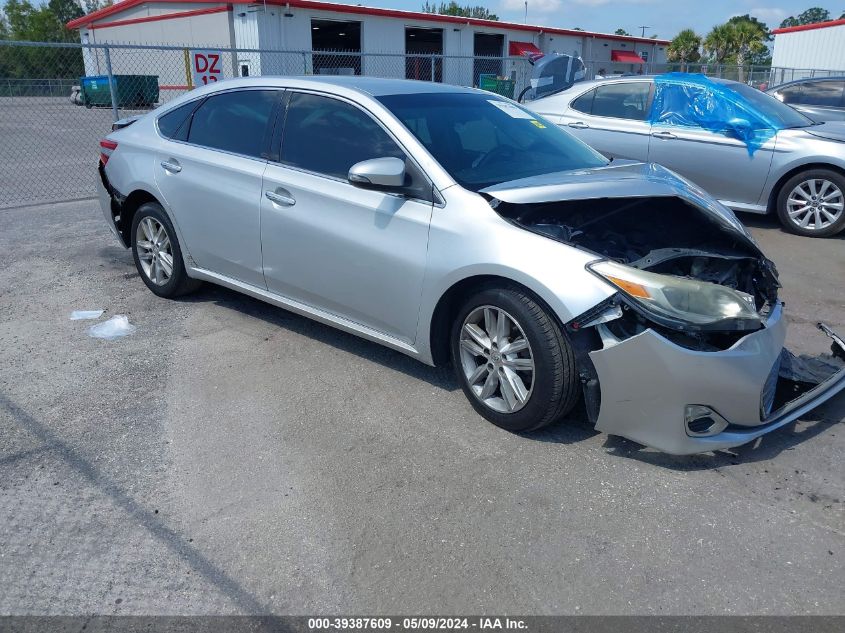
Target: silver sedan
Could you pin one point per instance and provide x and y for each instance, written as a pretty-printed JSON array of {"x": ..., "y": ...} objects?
[
  {"x": 457, "y": 227},
  {"x": 798, "y": 170}
]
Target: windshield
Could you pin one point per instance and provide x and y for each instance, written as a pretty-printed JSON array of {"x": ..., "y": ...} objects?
[
  {"x": 484, "y": 140},
  {"x": 770, "y": 107}
]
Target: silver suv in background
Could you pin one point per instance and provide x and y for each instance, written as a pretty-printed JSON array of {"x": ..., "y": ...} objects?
[
  {"x": 798, "y": 172},
  {"x": 455, "y": 226}
]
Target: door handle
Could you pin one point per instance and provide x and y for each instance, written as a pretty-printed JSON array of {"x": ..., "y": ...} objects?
[
  {"x": 172, "y": 167},
  {"x": 281, "y": 197},
  {"x": 578, "y": 125},
  {"x": 663, "y": 135}
]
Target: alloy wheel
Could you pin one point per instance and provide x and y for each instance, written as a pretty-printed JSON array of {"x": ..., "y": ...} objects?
[
  {"x": 496, "y": 359},
  {"x": 815, "y": 204},
  {"x": 155, "y": 251}
]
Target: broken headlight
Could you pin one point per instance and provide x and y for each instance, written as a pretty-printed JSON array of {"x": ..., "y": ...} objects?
[{"x": 676, "y": 299}]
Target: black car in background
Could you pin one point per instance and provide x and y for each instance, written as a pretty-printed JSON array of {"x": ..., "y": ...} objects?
[{"x": 821, "y": 98}]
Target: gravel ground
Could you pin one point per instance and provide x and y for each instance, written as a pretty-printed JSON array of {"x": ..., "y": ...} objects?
[{"x": 230, "y": 457}]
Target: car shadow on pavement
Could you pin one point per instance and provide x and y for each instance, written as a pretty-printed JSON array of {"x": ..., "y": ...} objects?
[
  {"x": 440, "y": 377},
  {"x": 573, "y": 429}
]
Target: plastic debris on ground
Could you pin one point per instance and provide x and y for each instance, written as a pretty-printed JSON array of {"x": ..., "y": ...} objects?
[
  {"x": 81, "y": 315},
  {"x": 697, "y": 101},
  {"x": 115, "y": 327}
]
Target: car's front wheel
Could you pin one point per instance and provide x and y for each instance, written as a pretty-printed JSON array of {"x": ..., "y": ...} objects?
[
  {"x": 812, "y": 203},
  {"x": 157, "y": 254},
  {"x": 512, "y": 360}
]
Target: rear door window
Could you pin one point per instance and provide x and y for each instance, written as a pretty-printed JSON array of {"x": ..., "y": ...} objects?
[
  {"x": 622, "y": 100},
  {"x": 236, "y": 121}
]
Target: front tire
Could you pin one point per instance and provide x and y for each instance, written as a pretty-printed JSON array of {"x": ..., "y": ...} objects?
[
  {"x": 157, "y": 254},
  {"x": 812, "y": 203},
  {"x": 513, "y": 362}
]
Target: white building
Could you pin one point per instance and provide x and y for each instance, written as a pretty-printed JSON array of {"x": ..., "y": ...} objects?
[
  {"x": 818, "y": 46},
  {"x": 378, "y": 42}
]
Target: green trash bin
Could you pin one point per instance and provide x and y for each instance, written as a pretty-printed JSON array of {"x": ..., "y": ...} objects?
[
  {"x": 492, "y": 83},
  {"x": 131, "y": 91}
]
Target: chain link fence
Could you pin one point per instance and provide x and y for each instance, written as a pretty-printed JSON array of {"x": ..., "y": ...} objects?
[{"x": 58, "y": 100}]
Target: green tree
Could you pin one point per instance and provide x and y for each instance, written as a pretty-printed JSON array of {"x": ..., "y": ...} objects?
[
  {"x": 453, "y": 8},
  {"x": 810, "y": 16},
  {"x": 45, "y": 23},
  {"x": 684, "y": 48},
  {"x": 761, "y": 56},
  {"x": 747, "y": 41},
  {"x": 621, "y": 32},
  {"x": 95, "y": 5},
  {"x": 65, "y": 10},
  {"x": 719, "y": 43}
]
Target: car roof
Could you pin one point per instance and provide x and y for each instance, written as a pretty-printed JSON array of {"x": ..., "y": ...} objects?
[
  {"x": 806, "y": 80},
  {"x": 372, "y": 86},
  {"x": 629, "y": 78}
]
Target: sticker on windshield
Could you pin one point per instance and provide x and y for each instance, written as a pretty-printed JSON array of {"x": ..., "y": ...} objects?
[
  {"x": 538, "y": 124},
  {"x": 511, "y": 110}
]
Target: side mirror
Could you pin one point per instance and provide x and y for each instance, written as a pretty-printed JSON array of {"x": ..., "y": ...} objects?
[
  {"x": 740, "y": 127},
  {"x": 378, "y": 173}
]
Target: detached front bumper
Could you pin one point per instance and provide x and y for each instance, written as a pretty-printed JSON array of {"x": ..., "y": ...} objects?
[{"x": 647, "y": 383}]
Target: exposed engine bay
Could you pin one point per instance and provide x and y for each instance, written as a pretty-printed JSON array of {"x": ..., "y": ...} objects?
[{"x": 665, "y": 235}]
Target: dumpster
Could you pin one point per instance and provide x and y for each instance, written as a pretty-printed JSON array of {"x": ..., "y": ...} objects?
[
  {"x": 138, "y": 91},
  {"x": 499, "y": 85}
]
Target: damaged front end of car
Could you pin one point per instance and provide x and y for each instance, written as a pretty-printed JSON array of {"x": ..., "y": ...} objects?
[{"x": 687, "y": 356}]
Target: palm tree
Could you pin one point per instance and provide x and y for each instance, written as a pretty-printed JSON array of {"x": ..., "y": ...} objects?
[
  {"x": 719, "y": 43},
  {"x": 684, "y": 48},
  {"x": 747, "y": 39}
]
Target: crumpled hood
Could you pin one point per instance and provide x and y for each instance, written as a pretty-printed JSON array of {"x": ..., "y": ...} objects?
[
  {"x": 620, "y": 179},
  {"x": 832, "y": 131}
]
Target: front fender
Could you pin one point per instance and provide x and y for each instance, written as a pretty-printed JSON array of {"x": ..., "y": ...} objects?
[{"x": 474, "y": 242}]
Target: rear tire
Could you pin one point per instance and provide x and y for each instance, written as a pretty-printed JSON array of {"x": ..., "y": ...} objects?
[
  {"x": 812, "y": 203},
  {"x": 493, "y": 369},
  {"x": 157, "y": 254}
]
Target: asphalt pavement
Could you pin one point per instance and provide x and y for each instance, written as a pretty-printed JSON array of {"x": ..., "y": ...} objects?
[{"x": 230, "y": 457}]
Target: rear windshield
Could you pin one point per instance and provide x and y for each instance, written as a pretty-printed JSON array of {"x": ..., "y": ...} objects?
[{"x": 484, "y": 140}]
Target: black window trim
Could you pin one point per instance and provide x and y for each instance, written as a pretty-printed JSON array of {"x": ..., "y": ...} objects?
[
  {"x": 268, "y": 132},
  {"x": 648, "y": 103},
  {"x": 278, "y": 136}
]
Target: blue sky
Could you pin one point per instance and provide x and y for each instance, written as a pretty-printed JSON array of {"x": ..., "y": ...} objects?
[{"x": 664, "y": 17}]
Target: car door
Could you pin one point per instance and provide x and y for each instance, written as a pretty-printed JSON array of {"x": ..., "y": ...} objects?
[
  {"x": 210, "y": 173},
  {"x": 718, "y": 162},
  {"x": 611, "y": 118},
  {"x": 356, "y": 253}
]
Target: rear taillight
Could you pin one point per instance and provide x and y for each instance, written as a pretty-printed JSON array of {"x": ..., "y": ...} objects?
[{"x": 106, "y": 148}]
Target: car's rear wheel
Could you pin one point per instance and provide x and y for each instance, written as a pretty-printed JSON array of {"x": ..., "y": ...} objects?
[
  {"x": 512, "y": 360},
  {"x": 157, "y": 254},
  {"x": 812, "y": 203}
]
